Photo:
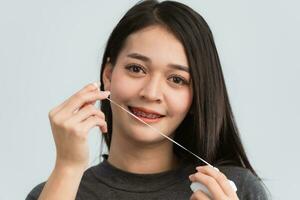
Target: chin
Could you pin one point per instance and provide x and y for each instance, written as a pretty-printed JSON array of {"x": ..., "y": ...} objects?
[{"x": 146, "y": 136}]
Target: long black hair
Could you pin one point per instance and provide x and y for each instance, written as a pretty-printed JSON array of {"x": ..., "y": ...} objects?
[{"x": 209, "y": 130}]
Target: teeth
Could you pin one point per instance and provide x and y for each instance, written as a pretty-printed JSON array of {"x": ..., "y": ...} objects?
[{"x": 142, "y": 114}]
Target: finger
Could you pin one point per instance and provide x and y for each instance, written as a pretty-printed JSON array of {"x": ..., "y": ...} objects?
[
  {"x": 85, "y": 112},
  {"x": 88, "y": 88},
  {"x": 78, "y": 101},
  {"x": 199, "y": 195},
  {"x": 219, "y": 177},
  {"x": 211, "y": 184},
  {"x": 85, "y": 104},
  {"x": 97, "y": 86},
  {"x": 92, "y": 122}
]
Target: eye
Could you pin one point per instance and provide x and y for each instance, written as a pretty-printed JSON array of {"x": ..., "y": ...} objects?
[
  {"x": 135, "y": 68},
  {"x": 179, "y": 80}
]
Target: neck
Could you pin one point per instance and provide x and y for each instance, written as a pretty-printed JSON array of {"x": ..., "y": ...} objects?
[{"x": 141, "y": 158}]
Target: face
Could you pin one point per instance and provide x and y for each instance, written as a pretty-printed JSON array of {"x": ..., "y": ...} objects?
[{"x": 152, "y": 73}]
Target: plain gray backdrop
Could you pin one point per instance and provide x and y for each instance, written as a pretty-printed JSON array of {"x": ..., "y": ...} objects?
[{"x": 51, "y": 49}]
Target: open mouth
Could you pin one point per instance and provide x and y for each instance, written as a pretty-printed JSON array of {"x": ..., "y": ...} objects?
[{"x": 144, "y": 115}]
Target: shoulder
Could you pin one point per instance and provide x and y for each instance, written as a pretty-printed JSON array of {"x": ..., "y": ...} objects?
[
  {"x": 35, "y": 192},
  {"x": 248, "y": 185}
]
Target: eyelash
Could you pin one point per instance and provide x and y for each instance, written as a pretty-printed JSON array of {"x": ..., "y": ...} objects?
[{"x": 131, "y": 66}]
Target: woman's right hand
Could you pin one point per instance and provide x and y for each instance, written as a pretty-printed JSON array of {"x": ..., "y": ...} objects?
[{"x": 71, "y": 122}]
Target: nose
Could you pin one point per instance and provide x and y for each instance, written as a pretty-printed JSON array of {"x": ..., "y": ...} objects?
[{"x": 152, "y": 90}]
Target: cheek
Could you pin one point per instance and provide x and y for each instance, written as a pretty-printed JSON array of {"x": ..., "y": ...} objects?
[
  {"x": 179, "y": 108},
  {"x": 122, "y": 87}
]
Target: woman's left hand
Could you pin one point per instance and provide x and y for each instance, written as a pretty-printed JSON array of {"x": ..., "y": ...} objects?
[{"x": 215, "y": 181}]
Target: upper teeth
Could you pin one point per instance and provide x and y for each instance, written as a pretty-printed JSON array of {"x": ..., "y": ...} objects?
[{"x": 147, "y": 115}]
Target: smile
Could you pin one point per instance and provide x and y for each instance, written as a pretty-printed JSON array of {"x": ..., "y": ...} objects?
[{"x": 145, "y": 116}]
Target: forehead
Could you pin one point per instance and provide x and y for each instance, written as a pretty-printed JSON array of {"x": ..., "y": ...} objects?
[{"x": 157, "y": 43}]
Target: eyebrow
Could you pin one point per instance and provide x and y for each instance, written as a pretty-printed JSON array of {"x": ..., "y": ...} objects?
[{"x": 146, "y": 59}]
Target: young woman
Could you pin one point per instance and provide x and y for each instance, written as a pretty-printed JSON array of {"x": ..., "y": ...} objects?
[{"x": 160, "y": 64}]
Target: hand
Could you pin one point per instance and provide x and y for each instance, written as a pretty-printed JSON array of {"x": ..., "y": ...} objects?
[
  {"x": 70, "y": 123},
  {"x": 215, "y": 181}
]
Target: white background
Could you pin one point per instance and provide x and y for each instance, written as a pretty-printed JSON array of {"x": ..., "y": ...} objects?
[{"x": 51, "y": 49}]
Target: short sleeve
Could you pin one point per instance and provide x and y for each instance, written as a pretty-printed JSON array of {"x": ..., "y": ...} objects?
[{"x": 35, "y": 192}]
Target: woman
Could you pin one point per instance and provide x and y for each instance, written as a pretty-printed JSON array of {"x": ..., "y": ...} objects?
[{"x": 160, "y": 64}]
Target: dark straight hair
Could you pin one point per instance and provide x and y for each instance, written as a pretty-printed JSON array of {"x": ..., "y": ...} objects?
[{"x": 209, "y": 129}]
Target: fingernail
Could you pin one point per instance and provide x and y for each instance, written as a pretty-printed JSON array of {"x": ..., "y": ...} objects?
[
  {"x": 216, "y": 169},
  {"x": 106, "y": 93}
]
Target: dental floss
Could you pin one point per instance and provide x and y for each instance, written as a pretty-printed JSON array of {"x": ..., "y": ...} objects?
[
  {"x": 98, "y": 84},
  {"x": 160, "y": 133},
  {"x": 195, "y": 185}
]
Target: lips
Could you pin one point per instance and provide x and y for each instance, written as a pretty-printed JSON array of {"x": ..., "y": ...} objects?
[{"x": 145, "y": 112}]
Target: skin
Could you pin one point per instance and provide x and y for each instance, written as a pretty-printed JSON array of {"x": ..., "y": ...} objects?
[
  {"x": 70, "y": 123},
  {"x": 215, "y": 181},
  {"x": 134, "y": 147}
]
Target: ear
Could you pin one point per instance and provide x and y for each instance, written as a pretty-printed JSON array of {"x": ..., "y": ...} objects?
[{"x": 106, "y": 76}]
